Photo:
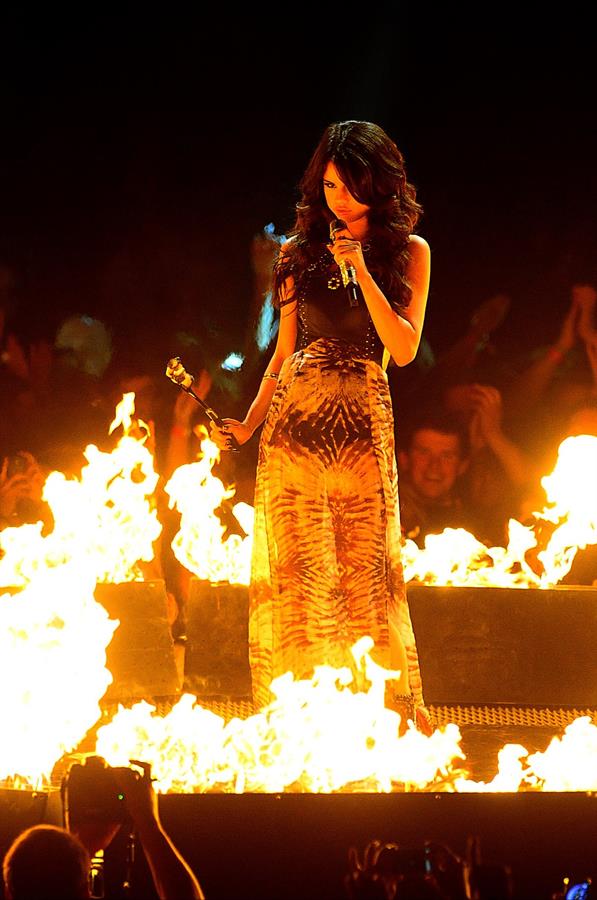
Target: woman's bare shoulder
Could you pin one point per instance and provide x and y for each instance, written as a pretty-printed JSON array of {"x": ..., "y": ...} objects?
[{"x": 419, "y": 245}]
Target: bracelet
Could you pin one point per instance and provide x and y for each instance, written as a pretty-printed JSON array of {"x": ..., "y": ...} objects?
[
  {"x": 407, "y": 702},
  {"x": 270, "y": 375},
  {"x": 555, "y": 355}
]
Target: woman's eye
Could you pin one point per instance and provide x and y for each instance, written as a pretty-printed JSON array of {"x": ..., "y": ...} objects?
[{"x": 328, "y": 184}]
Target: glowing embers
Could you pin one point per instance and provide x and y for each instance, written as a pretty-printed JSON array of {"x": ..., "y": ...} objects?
[
  {"x": 569, "y": 520},
  {"x": 199, "y": 544}
]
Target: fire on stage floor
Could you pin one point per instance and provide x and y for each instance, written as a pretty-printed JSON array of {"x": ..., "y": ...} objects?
[
  {"x": 290, "y": 846},
  {"x": 504, "y": 665}
]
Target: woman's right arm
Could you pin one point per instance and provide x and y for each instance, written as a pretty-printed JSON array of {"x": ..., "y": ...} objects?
[{"x": 285, "y": 346}]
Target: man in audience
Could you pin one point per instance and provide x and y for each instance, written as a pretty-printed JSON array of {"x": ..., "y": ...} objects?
[
  {"x": 432, "y": 460},
  {"x": 49, "y": 863},
  {"x": 46, "y": 863}
]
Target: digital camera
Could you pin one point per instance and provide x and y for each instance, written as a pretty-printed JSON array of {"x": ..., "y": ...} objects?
[{"x": 90, "y": 794}]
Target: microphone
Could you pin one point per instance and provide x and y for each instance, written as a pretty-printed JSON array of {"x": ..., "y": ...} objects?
[{"x": 349, "y": 276}]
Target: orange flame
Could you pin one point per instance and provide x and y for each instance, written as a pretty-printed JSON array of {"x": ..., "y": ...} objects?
[
  {"x": 199, "y": 545},
  {"x": 105, "y": 519},
  {"x": 455, "y": 557},
  {"x": 318, "y": 735},
  {"x": 53, "y": 637},
  {"x": 53, "y": 634},
  {"x": 568, "y": 764}
]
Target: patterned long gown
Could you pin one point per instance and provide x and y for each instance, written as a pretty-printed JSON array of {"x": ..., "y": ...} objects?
[{"x": 326, "y": 566}]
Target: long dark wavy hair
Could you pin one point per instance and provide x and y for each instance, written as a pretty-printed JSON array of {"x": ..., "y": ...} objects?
[{"x": 372, "y": 167}]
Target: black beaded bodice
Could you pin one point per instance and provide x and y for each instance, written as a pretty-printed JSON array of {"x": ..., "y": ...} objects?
[{"x": 324, "y": 311}]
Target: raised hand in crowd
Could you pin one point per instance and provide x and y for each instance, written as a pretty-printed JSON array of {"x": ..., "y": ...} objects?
[
  {"x": 21, "y": 483},
  {"x": 498, "y": 470},
  {"x": 177, "y": 453},
  {"x": 486, "y": 431},
  {"x": 172, "y": 876},
  {"x": 465, "y": 352},
  {"x": 32, "y": 364},
  {"x": 531, "y": 385},
  {"x": 585, "y": 297}
]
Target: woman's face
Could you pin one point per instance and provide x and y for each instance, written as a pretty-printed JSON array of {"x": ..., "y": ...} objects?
[{"x": 339, "y": 199}]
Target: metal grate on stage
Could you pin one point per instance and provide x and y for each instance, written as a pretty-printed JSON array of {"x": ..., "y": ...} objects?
[{"x": 508, "y": 716}]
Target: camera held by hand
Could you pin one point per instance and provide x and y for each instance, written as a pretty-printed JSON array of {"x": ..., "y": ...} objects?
[{"x": 91, "y": 795}]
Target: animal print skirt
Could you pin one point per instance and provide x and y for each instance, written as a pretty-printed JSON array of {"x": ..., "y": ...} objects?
[{"x": 326, "y": 566}]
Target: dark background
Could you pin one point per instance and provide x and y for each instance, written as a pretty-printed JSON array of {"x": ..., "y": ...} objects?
[{"x": 140, "y": 156}]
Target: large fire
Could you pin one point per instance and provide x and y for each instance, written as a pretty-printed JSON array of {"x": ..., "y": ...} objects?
[
  {"x": 53, "y": 634},
  {"x": 318, "y": 735},
  {"x": 105, "y": 520},
  {"x": 199, "y": 545},
  {"x": 455, "y": 557}
]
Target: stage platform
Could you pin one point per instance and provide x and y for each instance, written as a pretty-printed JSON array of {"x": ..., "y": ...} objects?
[{"x": 295, "y": 846}]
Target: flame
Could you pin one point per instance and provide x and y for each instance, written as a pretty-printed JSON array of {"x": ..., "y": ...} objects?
[
  {"x": 455, "y": 557},
  {"x": 53, "y": 634},
  {"x": 568, "y": 764},
  {"x": 325, "y": 734},
  {"x": 318, "y": 735},
  {"x": 571, "y": 490},
  {"x": 53, "y": 637},
  {"x": 510, "y": 776},
  {"x": 104, "y": 520},
  {"x": 199, "y": 544}
]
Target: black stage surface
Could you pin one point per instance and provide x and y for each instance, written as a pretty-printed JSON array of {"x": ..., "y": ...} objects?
[{"x": 270, "y": 847}]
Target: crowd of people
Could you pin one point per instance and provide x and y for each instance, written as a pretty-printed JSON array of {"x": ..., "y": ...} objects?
[
  {"x": 479, "y": 431},
  {"x": 475, "y": 431},
  {"x": 50, "y": 862}
]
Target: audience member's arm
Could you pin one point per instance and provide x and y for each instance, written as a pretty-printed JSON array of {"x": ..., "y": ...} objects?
[
  {"x": 465, "y": 351},
  {"x": 24, "y": 484},
  {"x": 177, "y": 451},
  {"x": 530, "y": 386},
  {"x": 173, "y": 877},
  {"x": 592, "y": 355},
  {"x": 586, "y": 297},
  {"x": 486, "y": 429}
]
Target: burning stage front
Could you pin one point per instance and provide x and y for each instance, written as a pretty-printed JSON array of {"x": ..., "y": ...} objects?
[{"x": 511, "y": 660}]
